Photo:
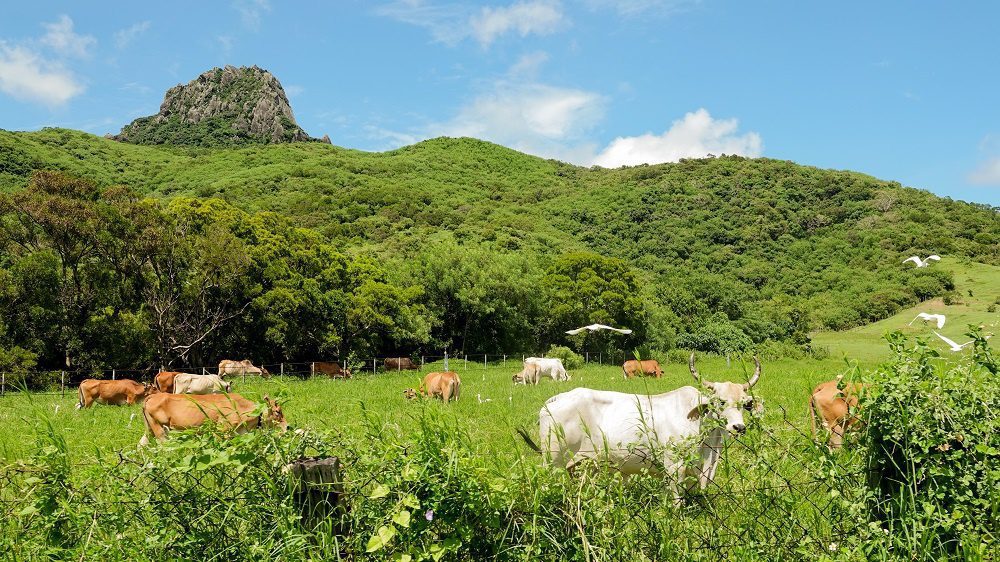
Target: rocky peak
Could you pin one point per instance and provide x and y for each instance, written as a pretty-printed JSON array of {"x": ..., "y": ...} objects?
[{"x": 224, "y": 106}]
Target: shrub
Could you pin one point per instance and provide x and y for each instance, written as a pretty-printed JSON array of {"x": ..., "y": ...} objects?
[
  {"x": 570, "y": 359},
  {"x": 933, "y": 458}
]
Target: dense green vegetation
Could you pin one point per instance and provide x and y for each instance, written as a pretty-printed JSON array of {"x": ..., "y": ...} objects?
[{"x": 478, "y": 247}]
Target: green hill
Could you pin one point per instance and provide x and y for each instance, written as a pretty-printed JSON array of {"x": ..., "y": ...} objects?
[{"x": 505, "y": 250}]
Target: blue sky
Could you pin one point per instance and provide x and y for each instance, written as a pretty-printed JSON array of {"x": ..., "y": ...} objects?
[{"x": 903, "y": 91}]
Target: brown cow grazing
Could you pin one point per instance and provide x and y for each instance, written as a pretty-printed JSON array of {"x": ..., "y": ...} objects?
[
  {"x": 446, "y": 386},
  {"x": 400, "y": 364},
  {"x": 650, "y": 367},
  {"x": 115, "y": 393},
  {"x": 836, "y": 408},
  {"x": 164, "y": 381},
  {"x": 165, "y": 412},
  {"x": 239, "y": 368},
  {"x": 332, "y": 370}
]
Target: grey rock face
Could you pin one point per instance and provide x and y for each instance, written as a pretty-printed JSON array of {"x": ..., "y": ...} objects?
[{"x": 221, "y": 107}]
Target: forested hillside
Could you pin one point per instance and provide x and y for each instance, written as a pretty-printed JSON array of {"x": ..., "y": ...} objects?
[{"x": 452, "y": 242}]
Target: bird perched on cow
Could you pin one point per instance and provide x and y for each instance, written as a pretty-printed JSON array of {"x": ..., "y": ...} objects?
[{"x": 922, "y": 262}]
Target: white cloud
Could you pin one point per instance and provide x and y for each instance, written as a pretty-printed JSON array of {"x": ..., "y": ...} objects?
[
  {"x": 61, "y": 38},
  {"x": 529, "y": 64},
  {"x": 125, "y": 36},
  {"x": 694, "y": 136},
  {"x": 641, "y": 7},
  {"x": 293, "y": 90},
  {"x": 453, "y": 23},
  {"x": 251, "y": 12},
  {"x": 226, "y": 42},
  {"x": 27, "y": 76},
  {"x": 536, "y": 17},
  {"x": 987, "y": 173}
]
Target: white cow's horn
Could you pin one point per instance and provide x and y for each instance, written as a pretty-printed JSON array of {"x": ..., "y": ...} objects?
[{"x": 756, "y": 373}]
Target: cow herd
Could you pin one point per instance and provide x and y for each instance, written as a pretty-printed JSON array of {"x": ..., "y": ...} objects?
[{"x": 633, "y": 432}]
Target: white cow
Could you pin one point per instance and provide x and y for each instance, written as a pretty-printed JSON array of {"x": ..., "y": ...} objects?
[
  {"x": 640, "y": 432},
  {"x": 543, "y": 366},
  {"x": 187, "y": 383}
]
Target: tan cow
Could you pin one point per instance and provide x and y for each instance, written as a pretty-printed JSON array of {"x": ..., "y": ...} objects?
[
  {"x": 115, "y": 393},
  {"x": 229, "y": 367},
  {"x": 166, "y": 412},
  {"x": 650, "y": 367},
  {"x": 189, "y": 383},
  {"x": 446, "y": 386},
  {"x": 332, "y": 370},
  {"x": 164, "y": 381},
  {"x": 835, "y": 407}
]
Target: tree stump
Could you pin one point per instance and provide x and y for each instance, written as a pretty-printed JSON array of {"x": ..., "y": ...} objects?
[{"x": 318, "y": 491}]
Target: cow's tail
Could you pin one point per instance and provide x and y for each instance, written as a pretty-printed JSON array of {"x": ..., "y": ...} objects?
[
  {"x": 456, "y": 388},
  {"x": 528, "y": 440},
  {"x": 79, "y": 394},
  {"x": 812, "y": 414}
]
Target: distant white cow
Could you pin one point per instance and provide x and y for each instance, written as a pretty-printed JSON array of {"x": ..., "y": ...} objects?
[
  {"x": 640, "y": 432},
  {"x": 549, "y": 367},
  {"x": 187, "y": 383},
  {"x": 229, "y": 367}
]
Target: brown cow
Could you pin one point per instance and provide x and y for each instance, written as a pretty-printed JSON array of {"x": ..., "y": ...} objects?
[
  {"x": 165, "y": 412},
  {"x": 115, "y": 393},
  {"x": 649, "y": 367},
  {"x": 400, "y": 364},
  {"x": 164, "y": 381},
  {"x": 445, "y": 385},
  {"x": 835, "y": 407},
  {"x": 332, "y": 370}
]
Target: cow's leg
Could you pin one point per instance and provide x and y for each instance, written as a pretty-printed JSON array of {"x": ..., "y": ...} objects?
[{"x": 837, "y": 436}]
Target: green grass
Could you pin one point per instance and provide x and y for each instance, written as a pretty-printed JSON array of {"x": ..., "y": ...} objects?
[
  {"x": 866, "y": 343},
  {"x": 324, "y": 404}
]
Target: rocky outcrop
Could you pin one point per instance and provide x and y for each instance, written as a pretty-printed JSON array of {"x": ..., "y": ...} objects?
[{"x": 224, "y": 106}]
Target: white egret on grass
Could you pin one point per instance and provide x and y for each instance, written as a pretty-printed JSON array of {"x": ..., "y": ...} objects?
[
  {"x": 939, "y": 318},
  {"x": 922, "y": 262},
  {"x": 597, "y": 328}
]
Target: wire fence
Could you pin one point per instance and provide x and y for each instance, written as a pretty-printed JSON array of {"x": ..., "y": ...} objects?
[
  {"x": 773, "y": 497},
  {"x": 63, "y": 381}
]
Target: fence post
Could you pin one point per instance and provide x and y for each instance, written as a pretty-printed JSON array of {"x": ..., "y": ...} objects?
[
  {"x": 317, "y": 490},
  {"x": 204, "y": 371},
  {"x": 399, "y": 364},
  {"x": 465, "y": 365},
  {"x": 374, "y": 364},
  {"x": 63, "y": 383},
  {"x": 312, "y": 369},
  {"x": 485, "y": 355},
  {"x": 586, "y": 359},
  {"x": 505, "y": 361},
  {"x": 244, "y": 374},
  {"x": 112, "y": 374},
  {"x": 446, "y": 360},
  {"x": 3, "y": 383},
  {"x": 421, "y": 361},
  {"x": 281, "y": 369}
]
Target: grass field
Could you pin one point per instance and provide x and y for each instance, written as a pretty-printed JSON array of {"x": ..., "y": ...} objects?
[{"x": 325, "y": 404}]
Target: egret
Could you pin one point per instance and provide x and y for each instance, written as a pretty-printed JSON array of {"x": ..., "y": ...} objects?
[
  {"x": 939, "y": 318},
  {"x": 597, "y": 328},
  {"x": 954, "y": 346},
  {"x": 922, "y": 262}
]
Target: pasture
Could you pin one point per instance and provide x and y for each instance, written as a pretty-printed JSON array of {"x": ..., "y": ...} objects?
[{"x": 324, "y": 404}]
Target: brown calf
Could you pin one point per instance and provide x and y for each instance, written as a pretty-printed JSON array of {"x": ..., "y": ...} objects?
[
  {"x": 650, "y": 367},
  {"x": 400, "y": 364},
  {"x": 115, "y": 393},
  {"x": 836, "y": 408},
  {"x": 165, "y": 412}
]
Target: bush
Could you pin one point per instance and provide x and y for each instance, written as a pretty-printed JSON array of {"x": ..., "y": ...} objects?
[
  {"x": 570, "y": 359},
  {"x": 933, "y": 457}
]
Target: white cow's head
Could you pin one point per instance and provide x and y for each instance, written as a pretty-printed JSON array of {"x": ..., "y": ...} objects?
[{"x": 727, "y": 399}]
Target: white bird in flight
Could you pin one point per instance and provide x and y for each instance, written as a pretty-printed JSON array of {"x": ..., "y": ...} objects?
[
  {"x": 939, "y": 318},
  {"x": 922, "y": 262},
  {"x": 598, "y": 327},
  {"x": 954, "y": 346}
]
